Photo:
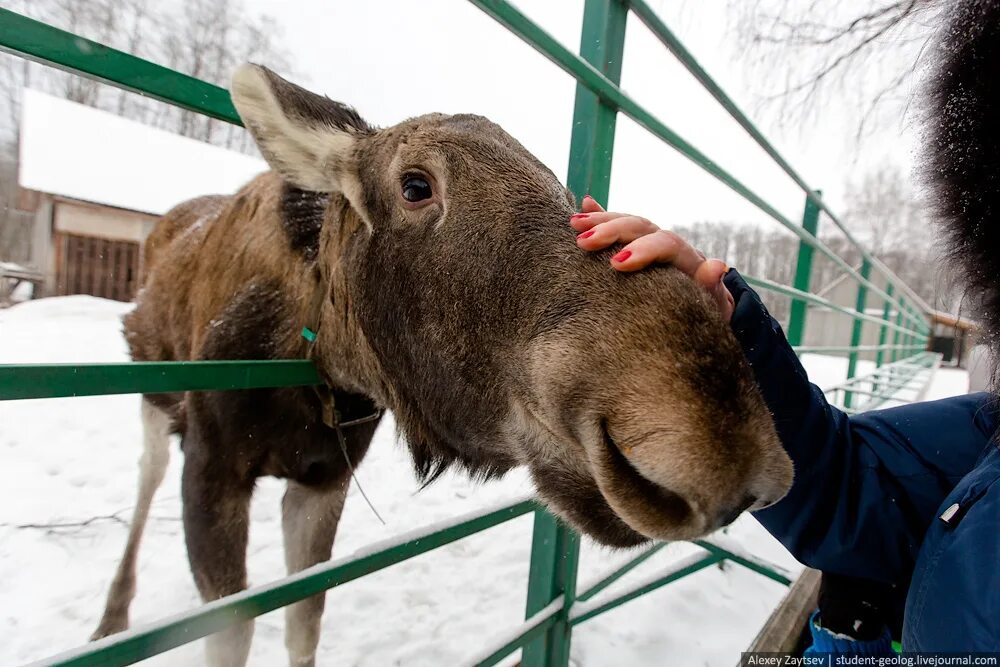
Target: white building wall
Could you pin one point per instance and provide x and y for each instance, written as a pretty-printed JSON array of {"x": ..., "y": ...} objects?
[{"x": 829, "y": 328}]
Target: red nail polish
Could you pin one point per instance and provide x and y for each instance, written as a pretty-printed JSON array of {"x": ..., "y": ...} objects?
[
  {"x": 586, "y": 235},
  {"x": 579, "y": 216},
  {"x": 622, "y": 256}
]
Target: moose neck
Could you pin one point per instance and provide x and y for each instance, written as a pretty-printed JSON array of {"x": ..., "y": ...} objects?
[{"x": 341, "y": 350}]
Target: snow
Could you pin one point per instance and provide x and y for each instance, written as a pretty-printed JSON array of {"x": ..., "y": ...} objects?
[
  {"x": 73, "y": 461},
  {"x": 73, "y": 150},
  {"x": 13, "y": 266},
  {"x": 826, "y": 371},
  {"x": 948, "y": 382},
  {"x": 23, "y": 292}
]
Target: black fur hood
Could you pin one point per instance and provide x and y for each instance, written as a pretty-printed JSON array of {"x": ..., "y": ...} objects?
[{"x": 963, "y": 151}]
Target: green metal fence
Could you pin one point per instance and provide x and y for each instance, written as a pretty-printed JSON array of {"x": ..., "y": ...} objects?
[
  {"x": 902, "y": 381},
  {"x": 554, "y": 606}
]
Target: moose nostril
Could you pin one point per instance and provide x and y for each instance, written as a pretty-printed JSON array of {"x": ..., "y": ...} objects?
[{"x": 733, "y": 514}]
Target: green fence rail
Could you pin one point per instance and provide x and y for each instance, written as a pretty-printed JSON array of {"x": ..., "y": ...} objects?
[
  {"x": 554, "y": 606},
  {"x": 137, "y": 644},
  {"x": 25, "y": 37},
  {"x": 899, "y": 382},
  {"x": 150, "y": 377}
]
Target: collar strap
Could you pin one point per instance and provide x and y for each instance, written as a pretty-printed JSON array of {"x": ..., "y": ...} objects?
[{"x": 325, "y": 392}]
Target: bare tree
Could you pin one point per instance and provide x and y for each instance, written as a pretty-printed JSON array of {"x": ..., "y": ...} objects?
[
  {"x": 203, "y": 38},
  {"x": 863, "y": 57},
  {"x": 772, "y": 254},
  {"x": 892, "y": 219},
  {"x": 206, "y": 39},
  {"x": 886, "y": 212},
  {"x": 15, "y": 226},
  {"x": 757, "y": 252},
  {"x": 859, "y": 55}
]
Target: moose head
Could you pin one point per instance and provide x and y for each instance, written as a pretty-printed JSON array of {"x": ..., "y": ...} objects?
[{"x": 459, "y": 300}]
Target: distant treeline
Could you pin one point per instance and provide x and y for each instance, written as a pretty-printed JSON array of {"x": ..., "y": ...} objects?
[
  {"x": 206, "y": 39},
  {"x": 772, "y": 254}
]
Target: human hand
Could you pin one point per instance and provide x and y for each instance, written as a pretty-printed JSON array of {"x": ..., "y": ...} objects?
[{"x": 647, "y": 244}]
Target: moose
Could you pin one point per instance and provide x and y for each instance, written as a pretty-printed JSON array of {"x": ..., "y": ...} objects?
[{"x": 433, "y": 263}]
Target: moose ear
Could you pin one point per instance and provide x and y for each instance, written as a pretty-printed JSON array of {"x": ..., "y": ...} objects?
[{"x": 307, "y": 138}]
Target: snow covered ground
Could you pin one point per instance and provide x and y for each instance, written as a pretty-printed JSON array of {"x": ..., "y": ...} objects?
[
  {"x": 67, "y": 484},
  {"x": 948, "y": 382}
]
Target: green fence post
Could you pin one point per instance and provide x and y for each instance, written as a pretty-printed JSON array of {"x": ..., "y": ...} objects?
[
  {"x": 883, "y": 332},
  {"x": 884, "y": 329},
  {"x": 908, "y": 337},
  {"x": 803, "y": 272},
  {"x": 910, "y": 333},
  {"x": 896, "y": 334},
  {"x": 926, "y": 338},
  {"x": 555, "y": 553},
  {"x": 592, "y": 144},
  {"x": 852, "y": 363},
  {"x": 555, "y": 549},
  {"x": 920, "y": 337}
]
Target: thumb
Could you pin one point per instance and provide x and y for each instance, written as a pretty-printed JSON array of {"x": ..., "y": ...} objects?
[{"x": 709, "y": 275}]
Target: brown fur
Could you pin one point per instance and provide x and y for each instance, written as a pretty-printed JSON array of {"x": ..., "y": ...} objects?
[{"x": 473, "y": 316}]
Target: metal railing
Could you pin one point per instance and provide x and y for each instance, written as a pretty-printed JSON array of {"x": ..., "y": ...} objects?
[
  {"x": 137, "y": 644},
  {"x": 903, "y": 381},
  {"x": 553, "y": 604}
]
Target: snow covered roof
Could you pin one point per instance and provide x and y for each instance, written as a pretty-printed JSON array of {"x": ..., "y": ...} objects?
[{"x": 77, "y": 151}]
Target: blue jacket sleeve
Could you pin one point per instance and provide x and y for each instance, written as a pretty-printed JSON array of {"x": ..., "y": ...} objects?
[{"x": 866, "y": 487}]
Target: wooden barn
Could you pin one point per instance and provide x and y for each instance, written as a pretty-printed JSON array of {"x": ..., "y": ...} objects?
[{"x": 96, "y": 183}]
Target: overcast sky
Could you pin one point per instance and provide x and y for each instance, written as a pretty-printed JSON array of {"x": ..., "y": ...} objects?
[{"x": 393, "y": 59}]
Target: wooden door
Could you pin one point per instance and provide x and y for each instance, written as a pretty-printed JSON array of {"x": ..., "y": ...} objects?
[{"x": 96, "y": 266}]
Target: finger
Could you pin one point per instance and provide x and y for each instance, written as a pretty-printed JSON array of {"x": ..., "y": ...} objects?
[
  {"x": 581, "y": 222},
  {"x": 589, "y": 205},
  {"x": 619, "y": 230},
  {"x": 660, "y": 247}
]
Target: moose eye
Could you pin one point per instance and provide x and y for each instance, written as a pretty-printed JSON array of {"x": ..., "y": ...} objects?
[{"x": 416, "y": 189}]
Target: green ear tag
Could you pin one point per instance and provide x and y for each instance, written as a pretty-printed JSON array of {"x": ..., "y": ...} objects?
[{"x": 309, "y": 334}]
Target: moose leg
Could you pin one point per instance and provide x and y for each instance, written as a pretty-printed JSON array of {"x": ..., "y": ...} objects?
[
  {"x": 216, "y": 522},
  {"x": 309, "y": 518},
  {"x": 152, "y": 467}
]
